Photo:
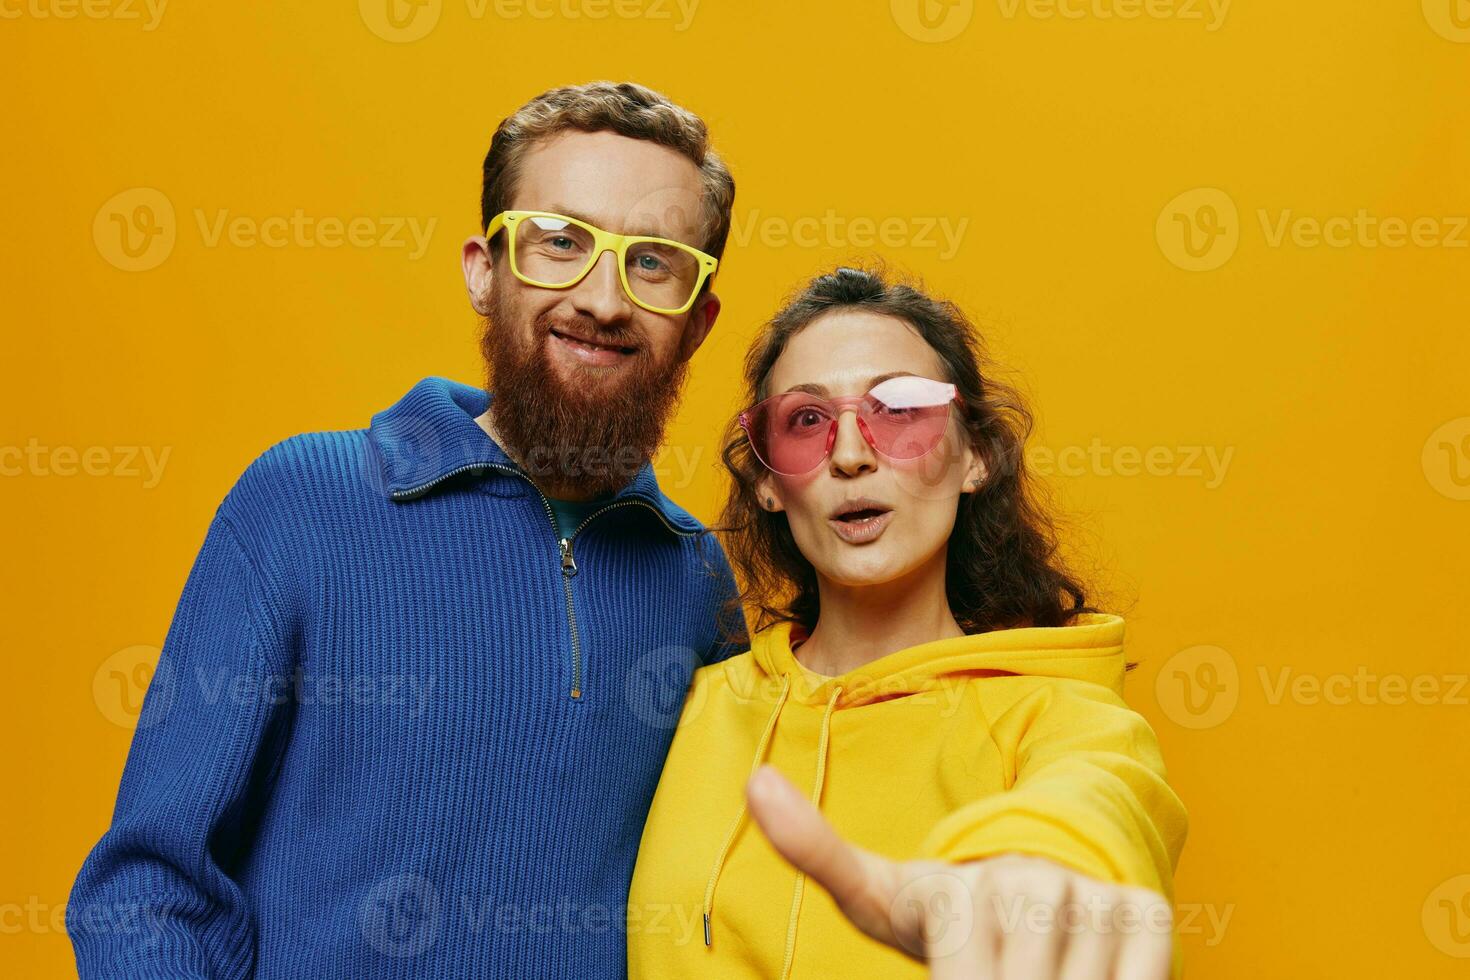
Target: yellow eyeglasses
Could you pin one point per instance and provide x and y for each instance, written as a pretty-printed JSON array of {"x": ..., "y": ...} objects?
[{"x": 556, "y": 252}]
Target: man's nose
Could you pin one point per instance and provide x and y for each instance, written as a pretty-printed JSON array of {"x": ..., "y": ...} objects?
[
  {"x": 600, "y": 293},
  {"x": 851, "y": 454}
]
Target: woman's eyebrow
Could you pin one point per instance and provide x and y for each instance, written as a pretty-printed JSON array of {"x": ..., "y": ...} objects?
[{"x": 821, "y": 390}]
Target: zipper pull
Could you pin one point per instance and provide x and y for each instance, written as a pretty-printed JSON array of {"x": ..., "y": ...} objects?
[{"x": 568, "y": 564}]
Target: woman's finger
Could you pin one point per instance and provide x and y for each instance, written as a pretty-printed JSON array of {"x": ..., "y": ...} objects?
[
  {"x": 863, "y": 885},
  {"x": 959, "y": 933},
  {"x": 1145, "y": 952},
  {"x": 1027, "y": 899},
  {"x": 1091, "y": 946}
]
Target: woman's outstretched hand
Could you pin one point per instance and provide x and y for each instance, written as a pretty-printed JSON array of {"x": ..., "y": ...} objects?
[{"x": 1008, "y": 917}]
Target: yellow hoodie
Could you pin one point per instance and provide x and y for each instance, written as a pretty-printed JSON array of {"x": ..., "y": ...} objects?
[{"x": 958, "y": 749}]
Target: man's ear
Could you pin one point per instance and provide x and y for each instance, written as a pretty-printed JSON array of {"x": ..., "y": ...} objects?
[
  {"x": 768, "y": 495},
  {"x": 701, "y": 321},
  {"x": 479, "y": 272}
]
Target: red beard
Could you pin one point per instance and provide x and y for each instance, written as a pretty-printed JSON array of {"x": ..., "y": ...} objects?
[{"x": 591, "y": 438}]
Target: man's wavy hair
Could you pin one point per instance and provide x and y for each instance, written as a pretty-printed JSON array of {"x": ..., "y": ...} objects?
[
  {"x": 1003, "y": 567},
  {"x": 625, "y": 108}
]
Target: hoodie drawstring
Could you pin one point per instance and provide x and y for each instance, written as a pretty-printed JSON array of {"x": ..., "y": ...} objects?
[
  {"x": 760, "y": 755},
  {"x": 817, "y": 784}
]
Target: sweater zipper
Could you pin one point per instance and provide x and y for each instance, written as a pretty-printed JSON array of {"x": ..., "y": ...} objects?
[
  {"x": 568, "y": 562},
  {"x": 569, "y": 568}
]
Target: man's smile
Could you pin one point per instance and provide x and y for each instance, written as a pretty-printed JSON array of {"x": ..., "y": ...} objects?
[{"x": 585, "y": 351}]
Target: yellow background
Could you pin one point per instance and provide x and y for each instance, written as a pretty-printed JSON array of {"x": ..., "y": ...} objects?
[{"x": 1331, "y": 834}]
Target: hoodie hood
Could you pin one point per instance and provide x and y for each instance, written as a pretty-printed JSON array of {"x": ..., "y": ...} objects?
[{"x": 1090, "y": 649}]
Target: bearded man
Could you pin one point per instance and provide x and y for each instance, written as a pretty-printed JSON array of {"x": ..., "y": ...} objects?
[{"x": 413, "y": 705}]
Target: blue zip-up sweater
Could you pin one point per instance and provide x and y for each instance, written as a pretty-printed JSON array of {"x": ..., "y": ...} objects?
[{"x": 398, "y": 728}]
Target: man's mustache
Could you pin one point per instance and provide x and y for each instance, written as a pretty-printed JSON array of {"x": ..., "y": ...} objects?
[{"x": 620, "y": 335}]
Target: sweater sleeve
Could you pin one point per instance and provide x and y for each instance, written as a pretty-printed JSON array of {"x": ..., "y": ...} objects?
[
  {"x": 730, "y": 635},
  {"x": 1086, "y": 787},
  {"x": 155, "y": 898}
]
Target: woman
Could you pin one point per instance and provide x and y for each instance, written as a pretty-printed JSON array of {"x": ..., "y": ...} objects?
[{"x": 924, "y": 668}]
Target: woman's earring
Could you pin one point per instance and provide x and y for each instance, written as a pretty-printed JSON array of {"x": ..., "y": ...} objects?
[{"x": 770, "y": 503}]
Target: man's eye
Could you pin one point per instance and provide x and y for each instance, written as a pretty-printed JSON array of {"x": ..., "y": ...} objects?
[
  {"x": 650, "y": 263},
  {"x": 562, "y": 242}
]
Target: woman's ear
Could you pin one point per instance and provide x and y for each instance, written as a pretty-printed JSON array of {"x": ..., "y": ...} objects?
[
  {"x": 975, "y": 470},
  {"x": 767, "y": 495}
]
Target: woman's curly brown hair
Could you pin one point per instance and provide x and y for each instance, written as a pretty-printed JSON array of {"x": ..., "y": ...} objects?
[{"x": 1003, "y": 567}]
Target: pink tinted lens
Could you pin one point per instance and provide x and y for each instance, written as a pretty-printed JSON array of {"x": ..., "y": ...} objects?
[
  {"x": 790, "y": 432},
  {"x": 907, "y": 416}
]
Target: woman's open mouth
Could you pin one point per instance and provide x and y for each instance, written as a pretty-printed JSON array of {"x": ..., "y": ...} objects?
[
  {"x": 861, "y": 525},
  {"x": 591, "y": 352}
]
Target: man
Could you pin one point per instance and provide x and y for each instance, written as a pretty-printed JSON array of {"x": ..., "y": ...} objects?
[{"x": 422, "y": 679}]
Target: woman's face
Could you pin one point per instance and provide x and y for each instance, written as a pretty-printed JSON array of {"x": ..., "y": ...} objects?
[{"x": 830, "y": 509}]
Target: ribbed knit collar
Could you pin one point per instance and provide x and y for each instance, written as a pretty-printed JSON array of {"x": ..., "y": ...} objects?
[{"x": 431, "y": 433}]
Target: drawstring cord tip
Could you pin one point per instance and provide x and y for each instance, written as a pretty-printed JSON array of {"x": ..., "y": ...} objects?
[{"x": 706, "y": 929}]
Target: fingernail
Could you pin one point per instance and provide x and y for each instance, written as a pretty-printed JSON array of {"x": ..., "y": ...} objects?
[{"x": 761, "y": 784}]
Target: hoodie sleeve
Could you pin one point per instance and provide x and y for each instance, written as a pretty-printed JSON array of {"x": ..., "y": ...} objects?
[
  {"x": 1086, "y": 787},
  {"x": 155, "y": 898}
]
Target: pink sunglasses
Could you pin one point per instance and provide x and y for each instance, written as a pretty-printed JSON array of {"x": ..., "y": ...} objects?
[{"x": 903, "y": 417}]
